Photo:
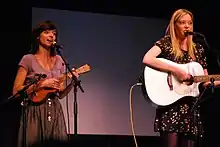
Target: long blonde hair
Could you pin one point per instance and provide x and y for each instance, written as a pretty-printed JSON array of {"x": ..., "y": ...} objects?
[{"x": 176, "y": 49}]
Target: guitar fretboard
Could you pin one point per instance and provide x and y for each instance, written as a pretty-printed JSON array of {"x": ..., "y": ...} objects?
[
  {"x": 82, "y": 69},
  {"x": 206, "y": 78},
  {"x": 69, "y": 74},
  {"x": 65, "y": 75}
]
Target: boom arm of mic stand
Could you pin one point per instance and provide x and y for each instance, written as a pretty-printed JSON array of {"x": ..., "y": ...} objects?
[
  {"x": 23, "y": 90},
  {"x": 215, "y": 51},
  {"x": 201, "y": 35}
]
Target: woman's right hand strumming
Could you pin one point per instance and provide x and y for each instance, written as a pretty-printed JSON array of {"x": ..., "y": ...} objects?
[
  {"x": 49, "y": 83},
  {"x": 181, "y": 75}
]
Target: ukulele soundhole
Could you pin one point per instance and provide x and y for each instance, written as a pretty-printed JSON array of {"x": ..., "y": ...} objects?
[{"x": 48, "y": 88}]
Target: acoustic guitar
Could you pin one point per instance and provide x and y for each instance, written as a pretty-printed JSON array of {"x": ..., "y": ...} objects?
[
  {"x": 38, "y": 96},
  {"x": 164, "y": 88}
]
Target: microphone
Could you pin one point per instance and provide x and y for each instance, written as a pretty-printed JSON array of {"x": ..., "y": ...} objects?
[
  {"x": 197, "y": 35},
  {"x": 186, "y": 33},
  {"x": 54, "y": 44}
]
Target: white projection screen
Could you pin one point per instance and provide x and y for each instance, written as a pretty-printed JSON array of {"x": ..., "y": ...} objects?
[{"x": 113, "y": 46}]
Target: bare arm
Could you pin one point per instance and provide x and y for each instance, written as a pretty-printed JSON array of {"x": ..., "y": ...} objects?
[
  {"x": 19, "y": 81},
  {"x": 150, "y": 59}
]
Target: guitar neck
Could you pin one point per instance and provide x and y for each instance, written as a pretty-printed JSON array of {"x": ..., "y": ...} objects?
[
  {"x": 80, "y": 70},
  {"x": 206, "y": 78},
  {"x": 65, "y": 76}
]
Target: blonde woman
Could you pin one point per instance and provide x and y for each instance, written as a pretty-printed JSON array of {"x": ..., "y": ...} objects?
[{"x": 176, "y": 122}]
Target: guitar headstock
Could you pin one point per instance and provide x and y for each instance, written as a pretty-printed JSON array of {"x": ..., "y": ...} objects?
[{"x": 83, "y": 69}]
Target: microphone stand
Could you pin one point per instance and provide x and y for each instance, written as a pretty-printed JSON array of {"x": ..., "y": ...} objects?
[
  {"x": 214, "y": 51},
  {"x": 211, "y": 85},
  {"x": 195, "y": 111},
  {"x": 23, "y": 94},
  {"x": 196, "y": 107},
  {"x": 77, "y": 83}
]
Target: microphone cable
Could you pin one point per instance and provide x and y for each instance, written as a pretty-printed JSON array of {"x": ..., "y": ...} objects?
[{"x": 131, "y": 112}]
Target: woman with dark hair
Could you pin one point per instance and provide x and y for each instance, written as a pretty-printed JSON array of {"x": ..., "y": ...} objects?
[{"x": 45, "y": 120}]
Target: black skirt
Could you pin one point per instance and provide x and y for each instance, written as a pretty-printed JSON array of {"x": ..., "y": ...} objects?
[{"x": 44, "y": 123}]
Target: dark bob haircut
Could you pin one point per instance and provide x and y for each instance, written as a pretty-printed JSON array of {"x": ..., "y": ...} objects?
[{"x": 37, "y": 30}]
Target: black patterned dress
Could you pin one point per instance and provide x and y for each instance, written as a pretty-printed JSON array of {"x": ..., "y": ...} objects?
[{"x": 178, "y": 116}]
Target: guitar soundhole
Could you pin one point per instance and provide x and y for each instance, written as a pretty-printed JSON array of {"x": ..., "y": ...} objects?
[{"x": 189, "y": 81}]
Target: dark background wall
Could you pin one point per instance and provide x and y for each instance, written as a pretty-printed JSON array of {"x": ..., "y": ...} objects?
[{"x": 15, "y": 37}]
